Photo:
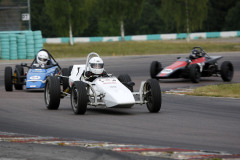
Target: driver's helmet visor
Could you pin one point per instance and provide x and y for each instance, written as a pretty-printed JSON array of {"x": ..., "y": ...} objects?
[
  {"x": 97, "y": 65},
  {"x": 42, "y": 59}
]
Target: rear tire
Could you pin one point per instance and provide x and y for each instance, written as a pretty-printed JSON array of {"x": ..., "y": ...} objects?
[
  {"x": 227, "y": 71},
  {"x": 153, "y": 95},
  {"x": 8, "y": 79},
  {"x": 195, "y": 74},
  {"x": 70, "y": 69},
  {"x": 155, "y": 68},
  {"x": 18, "y": 81},
  {"x": 125, "y": 78},
  {"x": 52, "y": 93},
  {"x": 79, "y": 98},
  {"x": 65, "y": 72}
]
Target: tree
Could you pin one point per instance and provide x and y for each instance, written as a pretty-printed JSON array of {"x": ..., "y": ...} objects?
[
  {"x": 40, "y": 20},
  {"x": 232, "y": 18},
  {"x": 217, "y": 12},
  {"x": 178, "y": 12},
  {"x": 119, "y": 10},
  {"x": 149, "y": 22},
  {"x": 69, "y": 15}
]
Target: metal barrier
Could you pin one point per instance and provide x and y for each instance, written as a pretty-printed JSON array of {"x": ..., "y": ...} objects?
[{"x": 174, "y": 36}]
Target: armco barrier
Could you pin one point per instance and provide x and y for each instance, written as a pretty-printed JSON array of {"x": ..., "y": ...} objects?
[
  {"x": 173, "y": 36},
  {"x": 20, "y": 44}
]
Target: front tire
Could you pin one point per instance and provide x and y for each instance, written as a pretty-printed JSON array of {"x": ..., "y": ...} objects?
[
  {"x": 79, "y": 98},
  {"x": 52, "y": 93},
  {"x": 155, "y": 68},
  {"x": 153, "y": 95},
  {"x": 65, "y": 72},
  {"x": 18, "y": 81},
  {"x": 8, "y": 80},
  {"x": 227, "y": 71},
  {"x": 195, "y": 74}
]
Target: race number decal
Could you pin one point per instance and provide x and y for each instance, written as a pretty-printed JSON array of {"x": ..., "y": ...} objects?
[{"x": 25, "y": 17}]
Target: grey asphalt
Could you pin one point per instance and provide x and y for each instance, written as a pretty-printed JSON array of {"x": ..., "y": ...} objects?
[{"x": 186, "y": 122}]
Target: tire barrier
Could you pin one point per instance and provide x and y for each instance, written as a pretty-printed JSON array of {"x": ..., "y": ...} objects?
[
  {"x": 20, "y": 44},
  {"x": 4, "y": 46},
  {"x": 38, "y": 42},
  {"x": 13, "y": 47}
]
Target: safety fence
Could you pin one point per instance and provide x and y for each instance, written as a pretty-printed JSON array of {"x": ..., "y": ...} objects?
[
  {"x": 20, "y": 44},
  {"x": 200, "y": 35}
]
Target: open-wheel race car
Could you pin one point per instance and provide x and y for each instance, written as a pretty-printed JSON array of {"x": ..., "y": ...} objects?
[
  {"x": 88, "y": 84},
  {"x": 198, "y": 64},
  {"x": 35, "y": 77}
]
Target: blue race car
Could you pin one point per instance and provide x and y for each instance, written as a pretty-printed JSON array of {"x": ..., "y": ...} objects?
[{"x": 36, "y": 76}]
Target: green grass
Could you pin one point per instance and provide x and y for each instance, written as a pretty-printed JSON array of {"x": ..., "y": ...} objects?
[
  {"x": 136, "y": 48},
  {"x": 222, "y": 90}
]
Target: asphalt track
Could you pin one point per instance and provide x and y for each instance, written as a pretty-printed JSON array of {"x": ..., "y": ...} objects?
[{"x": 186, "y": 122}]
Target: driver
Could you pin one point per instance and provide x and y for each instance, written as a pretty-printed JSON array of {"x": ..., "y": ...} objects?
[
  {"x": 42, "y": 59},
  {"x": 195, "y": 54},
  {"x": 96, "y": 69}
]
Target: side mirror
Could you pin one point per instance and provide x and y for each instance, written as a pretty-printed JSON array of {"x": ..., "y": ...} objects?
[
  {"x": 24, "y": 64},
  {"x": 178, "y": 57}
]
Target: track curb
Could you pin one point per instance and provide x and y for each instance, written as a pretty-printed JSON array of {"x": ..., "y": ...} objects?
[{"x": 143, "y": 150}]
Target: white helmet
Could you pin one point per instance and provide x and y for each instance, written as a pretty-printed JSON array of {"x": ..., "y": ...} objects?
[
  {"x": 42, "y": 57},
  {"x": 96, "y": 65}
]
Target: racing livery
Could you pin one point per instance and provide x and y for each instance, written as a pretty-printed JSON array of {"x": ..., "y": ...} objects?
[
  {"x": 104, "y": 90},
  {"x": 198, "y": 64},
  {"x": 34, "y": 78}
]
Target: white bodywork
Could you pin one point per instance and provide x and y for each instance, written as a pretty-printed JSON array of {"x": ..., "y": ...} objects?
[{"x": 106, "y": 91}]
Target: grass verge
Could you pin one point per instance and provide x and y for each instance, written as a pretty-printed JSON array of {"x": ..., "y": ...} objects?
[
  {"x": 221, "y": 90},
  {"x": 137, "y": 48}
]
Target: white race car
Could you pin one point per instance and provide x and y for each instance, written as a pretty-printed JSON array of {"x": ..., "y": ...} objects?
[{"x": 107, "y": 91}]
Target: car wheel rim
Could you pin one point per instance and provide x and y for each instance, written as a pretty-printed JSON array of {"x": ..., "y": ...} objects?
[
  {"x": 47, "y": 95},
  {"x": 148, "y": 95},
  {"x": 74, "y": 99}
]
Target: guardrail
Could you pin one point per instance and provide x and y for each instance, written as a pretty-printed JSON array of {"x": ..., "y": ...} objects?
[{"x": 174, "y": 36}]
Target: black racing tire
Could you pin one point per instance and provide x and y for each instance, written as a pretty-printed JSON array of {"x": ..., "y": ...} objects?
[
  {"x": 52, "y": 93},
  {"x": 194, "y": 73},
  {"x": 70, "y": 69},
  {"x": 153, "y": 95},
  {"x": 155, "y": 68},
  {"x": 18, "y": 81},
  {"x": 8, "y": 79},
  {"x": 79, "y": 98},
  {"x": 125, "y": 78},
  {"x": 227, "y": 71},
  {"x": 65, "y": 83}
]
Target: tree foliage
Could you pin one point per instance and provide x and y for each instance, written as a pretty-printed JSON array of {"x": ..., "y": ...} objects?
[
  {"x": 176, "y": 12},
  {"x": 103, "y": 17},
  {"x": 233, "y": 18},
  {"x": 217, "y": 12},
  {"x": 117, "y": 11},
  {"x": 64, "y": 13}
]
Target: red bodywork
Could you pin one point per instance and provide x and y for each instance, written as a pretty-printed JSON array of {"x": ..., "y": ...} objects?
[{"x": 180, "y": 64}]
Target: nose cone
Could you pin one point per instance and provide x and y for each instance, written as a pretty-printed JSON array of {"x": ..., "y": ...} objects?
[
  {"x": 36, "y": 84},
  {"x": 116, "y": 94}
]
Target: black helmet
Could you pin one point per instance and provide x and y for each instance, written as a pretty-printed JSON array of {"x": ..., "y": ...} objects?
[{"x": 195, "y": 54}]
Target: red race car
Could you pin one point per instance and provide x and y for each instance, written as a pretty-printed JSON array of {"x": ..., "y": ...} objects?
[{"x": 198, "y": 64}]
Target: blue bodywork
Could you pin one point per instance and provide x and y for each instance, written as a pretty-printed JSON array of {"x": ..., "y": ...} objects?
[{"x": 36, "y": 78}]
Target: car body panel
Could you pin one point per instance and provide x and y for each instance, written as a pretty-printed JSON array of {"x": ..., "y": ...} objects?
[
  {"x": 180, "y": 68},
  {"x": 36, "y": 78}
]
